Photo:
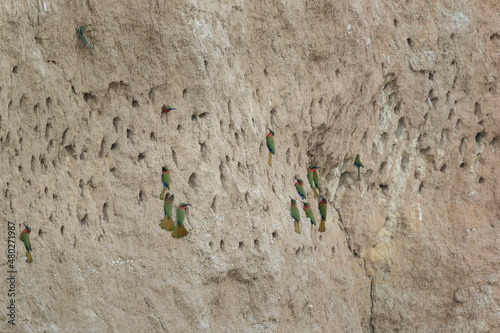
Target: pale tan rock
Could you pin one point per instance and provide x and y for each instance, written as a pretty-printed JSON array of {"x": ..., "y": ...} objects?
[{"x": 410, "y": 86}]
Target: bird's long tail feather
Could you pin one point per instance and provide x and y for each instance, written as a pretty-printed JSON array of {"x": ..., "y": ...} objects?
[
  {"x": 170, "y": 225},
  {"x": 315, "y": 192},
  {"x": 321, "y": 226},
  {"x": 162, "y": 195},
  {"x": 359, "y": 175},
  {"x": 297, "y": 227},
  {"x": 270, "y": 162},
  {"x": 179, "y": 231},
  {"x": 28, "y": 255},
  {"x": 163, "y": 223}
]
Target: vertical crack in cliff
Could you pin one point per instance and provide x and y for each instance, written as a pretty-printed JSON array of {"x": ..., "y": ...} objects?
[
  {"x": 342, "y": 227},
  {"x": 348, "y": 238},
  {"x": 372, "y": 327}
]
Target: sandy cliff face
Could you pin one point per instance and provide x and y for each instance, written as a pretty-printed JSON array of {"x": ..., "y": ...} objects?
[{"x": 412, "y": 86}]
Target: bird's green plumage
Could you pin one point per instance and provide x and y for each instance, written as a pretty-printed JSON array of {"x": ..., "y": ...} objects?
[
  {"x": 270, "y": 143},
  {"x": 316, "y": 178},
  {"x": 295, "y": 210},
  {"x": 310, "y": 177},
  {"x": 357, "y": 162},
  {"x": 167, "y": 222},
  {"x": 25, "y": 237},
  {"x": 166, "y": 178},
  {"x": 295, "y": 214},
  {"x": 181, "y": 214},
  {"x": 300, "y": 188},
  {"x": 180, "y": 230},
  {"x": 168, "y": 205},
  {"x": 322, "y": 208},
  {"x": 309, "y": 212}
]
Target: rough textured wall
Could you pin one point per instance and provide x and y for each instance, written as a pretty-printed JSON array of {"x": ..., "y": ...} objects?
[{"x": 411, "y": 86}]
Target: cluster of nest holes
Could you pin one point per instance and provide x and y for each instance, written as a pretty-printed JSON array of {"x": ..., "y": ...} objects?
[{"x": 302, "y": 249}]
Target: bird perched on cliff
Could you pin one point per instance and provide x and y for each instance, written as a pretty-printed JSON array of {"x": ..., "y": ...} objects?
[
  {"x": 322, "y": 210},
  {"x": 180, "y": 230},
  {"x": 358, "y": 164},
  {"x": 166, "y": 108},
  {"x": 25, "y": 237},
  {"x": 309, "y": 213},
  {"x": 299, "y": 185},
  {"x": 167, "y": 223},
  {"x": 270, "y": 144},
  {"x": 80, "y": 30},
  {"x": 295, "y": 214},
  {"x": 312, "y": 177},
  {"x": 165, "y": 178}
]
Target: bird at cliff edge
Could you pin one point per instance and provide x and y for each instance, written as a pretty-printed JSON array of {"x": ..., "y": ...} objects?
[
  {"x": 309, "y": 213},
  {"x": 167, "y": 223},
  {"x": 299, "y": 185},
  {"x": 312, "y": 177},
  {"x": 25, "y": 237},
  {"x": 180, "y": 230},
  {"x": 270, "y": 144},
  {"x": 295, "y": 214},
  {"x": 358, "y": 164},
  {"x": 166, "y": 108},
  {"x": 322, "y": 210},
  {"x": 165, "y": 178}
]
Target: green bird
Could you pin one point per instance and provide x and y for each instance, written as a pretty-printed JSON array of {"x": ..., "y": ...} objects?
[
  {"x": 25, "y": 237},
  {"x": 309, "y": 213},
  {"x": 322, "y": 210},
  {"x": 165, "y": 178},
  {"x": 166, "y": 108},
  {"x": 270, "y": 144},
  {"x": 312, "y": 177},
  {"x": 167, "y": 223},
  {"x": 180, "y": 230},
  {"x": 295, "y": 214},
  {"x": 358, "y": 164},
  {"x": 299, "y": 185}
]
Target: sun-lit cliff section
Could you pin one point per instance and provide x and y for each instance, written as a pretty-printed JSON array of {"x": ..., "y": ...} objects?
[{"x": 411, "y": 86}]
